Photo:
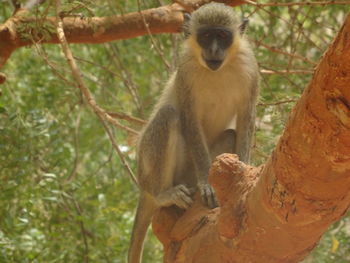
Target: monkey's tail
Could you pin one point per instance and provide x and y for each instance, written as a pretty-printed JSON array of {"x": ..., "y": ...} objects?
[{"x": 144, "y": 213}]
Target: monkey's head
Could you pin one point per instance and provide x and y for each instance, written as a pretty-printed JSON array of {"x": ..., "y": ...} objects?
[{"x": 213, "y": 32}]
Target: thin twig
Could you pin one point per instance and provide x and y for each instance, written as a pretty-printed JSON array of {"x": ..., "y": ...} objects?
[
  {"x": 277, "y": 103},
  {"x": 127, "y": 81},
  {"x": 276, "y": 50},
  {"x": 42, "y": 53},
  {"x": 297, "y": 35},
  {"x": 126, "y": 78},
  {"x": 282, "y": 72},
  {"x": 159, "y": 51},
  {"x": 116, "y": 147},
  {"x": 98, "y": 65},
  {"x": 288, "y": 23},
  {"x": 102, "y": 114},
  {"x": 307, "y": 3},
  {"x": 126, "y": 117},
  {"x": 82, "y": 230},
  {"x": 109, "y": 119}
]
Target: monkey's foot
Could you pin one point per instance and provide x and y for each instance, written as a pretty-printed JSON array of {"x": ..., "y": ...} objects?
[
  {"x": 179, "y": 195},
  {"x": 208, "y": 195}
]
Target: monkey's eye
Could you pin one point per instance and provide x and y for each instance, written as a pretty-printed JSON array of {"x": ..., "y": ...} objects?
[
  {"x": 204, "y": 38},
  {"x": 222, "y": 34},
  {"x": 206, "y": 35}
]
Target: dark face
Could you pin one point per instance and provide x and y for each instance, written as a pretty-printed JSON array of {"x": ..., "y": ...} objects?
[{"x": 214, "y": 42}]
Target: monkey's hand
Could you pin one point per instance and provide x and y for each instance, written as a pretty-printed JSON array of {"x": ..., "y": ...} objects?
[
  {"x": 208, "y": 195},
  {"x": 179, "y": 195}
]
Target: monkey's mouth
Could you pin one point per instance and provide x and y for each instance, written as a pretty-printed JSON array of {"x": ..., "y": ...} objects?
[{"x": 213, "y": 64}]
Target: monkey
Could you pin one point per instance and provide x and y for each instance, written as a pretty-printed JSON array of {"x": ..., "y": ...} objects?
[{"x": 215, "y": 84}]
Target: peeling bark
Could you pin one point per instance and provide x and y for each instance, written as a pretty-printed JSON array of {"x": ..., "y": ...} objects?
[{"x": 278, "y": 212}]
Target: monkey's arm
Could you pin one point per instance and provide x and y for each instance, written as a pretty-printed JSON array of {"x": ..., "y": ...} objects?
[
  {"x": 246, "y": 124},
  {"x": 194, "y": 139}
]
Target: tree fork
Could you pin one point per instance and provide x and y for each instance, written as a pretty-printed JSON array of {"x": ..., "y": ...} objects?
[{"x": 278, "y": 212}]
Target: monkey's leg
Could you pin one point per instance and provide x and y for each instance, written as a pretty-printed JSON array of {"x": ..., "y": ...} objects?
[
  {"x": 159, "y": 152},
  {"x": 225, "y": 143},
  {"x": 161, "y": 156}
]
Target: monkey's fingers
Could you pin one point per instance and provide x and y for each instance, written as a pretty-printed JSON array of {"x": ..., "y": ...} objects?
[
  {"x": 185, "y": 202},
  {"x": 182, "y": 197},
  {"x": 212, "y": 202},
  {"x": 184, "y": 189},
  {"x": 208, "y": 195}
]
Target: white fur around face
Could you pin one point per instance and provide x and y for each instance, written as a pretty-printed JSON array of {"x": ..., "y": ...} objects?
[{"x": 218, "y": 95}]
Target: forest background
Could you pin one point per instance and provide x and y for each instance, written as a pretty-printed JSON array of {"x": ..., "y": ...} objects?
[{"x": 65, "y": 195}]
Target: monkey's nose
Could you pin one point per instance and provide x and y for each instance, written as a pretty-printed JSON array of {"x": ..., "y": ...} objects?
[{"x": 213, "y": 64}]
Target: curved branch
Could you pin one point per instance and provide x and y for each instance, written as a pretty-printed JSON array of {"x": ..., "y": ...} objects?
[{"x": 101, "y": 113}]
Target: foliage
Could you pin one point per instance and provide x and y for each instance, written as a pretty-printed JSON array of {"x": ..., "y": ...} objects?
[{"x": 65, "y": 196}]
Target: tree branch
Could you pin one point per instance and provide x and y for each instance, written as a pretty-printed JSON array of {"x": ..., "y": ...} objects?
[
  {"x": 306, "y": 3},
  {"x": 92, "y": 30}
]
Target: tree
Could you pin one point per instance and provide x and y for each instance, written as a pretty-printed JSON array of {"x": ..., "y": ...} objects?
[{"x": 297, "y": 202}]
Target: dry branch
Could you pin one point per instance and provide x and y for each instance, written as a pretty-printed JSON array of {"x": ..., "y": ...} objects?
[
  {"x": 165, "y": 19},
  {"x": 306, "y": 3}
]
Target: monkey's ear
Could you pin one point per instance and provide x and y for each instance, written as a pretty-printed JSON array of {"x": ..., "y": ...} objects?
[
  {"x": 186, "y": 25},
  {"x": 243, "y": 26}
]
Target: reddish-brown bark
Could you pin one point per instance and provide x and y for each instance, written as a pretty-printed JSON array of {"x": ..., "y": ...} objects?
[
  {"x": 15, "y": 32},
  {"x": 277, "y": 213}
]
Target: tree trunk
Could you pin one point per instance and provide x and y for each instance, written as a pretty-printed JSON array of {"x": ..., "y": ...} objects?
[{"x": 279, "y": 211}]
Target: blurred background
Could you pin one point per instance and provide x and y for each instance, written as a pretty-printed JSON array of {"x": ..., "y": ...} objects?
[{"x": 65, "y": 195}]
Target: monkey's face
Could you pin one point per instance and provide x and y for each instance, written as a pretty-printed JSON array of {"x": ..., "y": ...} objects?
[{"x": 214, "y": 41}]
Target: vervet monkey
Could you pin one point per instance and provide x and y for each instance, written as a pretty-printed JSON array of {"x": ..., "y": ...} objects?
[{"x": 215, "y": 83}]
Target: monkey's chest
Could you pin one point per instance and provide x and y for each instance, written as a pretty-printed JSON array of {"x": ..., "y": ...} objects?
[{"x": 216, "y": 109}]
